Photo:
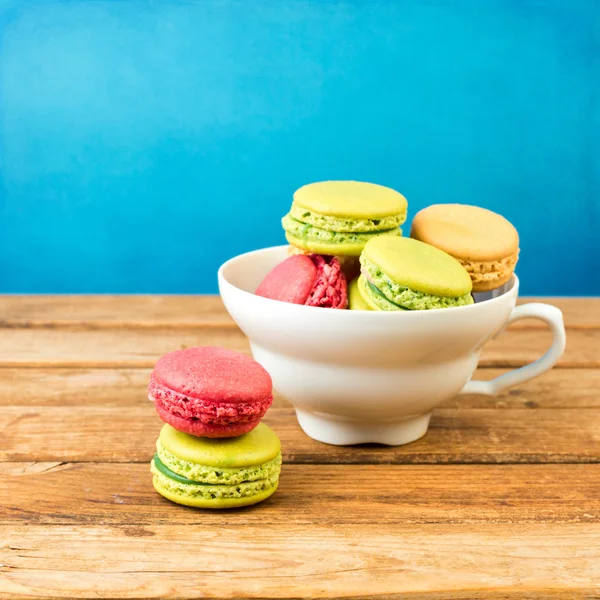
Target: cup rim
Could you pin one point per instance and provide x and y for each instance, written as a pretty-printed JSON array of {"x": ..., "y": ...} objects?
[{"x": 301, "y": 309}]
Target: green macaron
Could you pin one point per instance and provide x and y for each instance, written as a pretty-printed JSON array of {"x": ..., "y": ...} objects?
[
  {"x": 405, "y": 274},
  {"x": 339, "y": 217},
  {"x": 216, "y": 473}
]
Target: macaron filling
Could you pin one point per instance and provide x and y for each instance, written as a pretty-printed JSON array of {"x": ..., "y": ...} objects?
[
  {"x": 330, "y": 289},
  {"x": 374, "y": 297},
  {"x": 205, "y": 410},
  {"x": 185, "y": 487},
  {"x": 196, "y": 473},
  {"x": 395, "y": 296},
  {"x": 345, "y": 225},
  {"x": 306, "y": 231},
  {"x": 492, "y": 271}
]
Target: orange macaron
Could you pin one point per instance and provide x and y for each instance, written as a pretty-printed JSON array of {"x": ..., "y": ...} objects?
[{"x": 484, "y": 242}]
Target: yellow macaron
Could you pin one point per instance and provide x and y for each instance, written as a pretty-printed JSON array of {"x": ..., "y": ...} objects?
[
  {"x": 484, "y": 242},
  {"x": 355, "y": 299},
  {"x": 339, "y": 217}
]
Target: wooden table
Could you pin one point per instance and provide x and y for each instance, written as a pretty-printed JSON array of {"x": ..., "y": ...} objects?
[{"x": 500, "y": 500}]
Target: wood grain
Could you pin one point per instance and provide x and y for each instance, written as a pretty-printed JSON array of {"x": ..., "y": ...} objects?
[
  {"x": 323, "y": 561},
  {"x": 141, "y": 347},
  {"x": 111, "y": 434},
  {"x": 76, "y": 387},
  {"x": 121, "y": 494},
  {"x": 190, "y": 311},
  {"x": 113, "y": 311},
  {"x": 558, "y": 388}
]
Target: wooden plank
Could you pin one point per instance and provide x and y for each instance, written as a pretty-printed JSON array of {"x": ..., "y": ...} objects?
[
  {"x": 559, "y": 388},
  {"x": 136, "y": 348},
  {"x": 112, "y": 311},
  {"x": 78, "y": 387},
  {"x": 379, "y": 495},
  {"x": 112, "y": 434},
  {"x": 577, "y": 312},
  {"x": 188, "y": 311},
  {"x": 321, "y": 561}
]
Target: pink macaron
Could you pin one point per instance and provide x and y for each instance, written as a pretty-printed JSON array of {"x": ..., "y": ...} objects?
[
  {"x": 210, "y": 392},
  {"x": 312, "y": 280}
]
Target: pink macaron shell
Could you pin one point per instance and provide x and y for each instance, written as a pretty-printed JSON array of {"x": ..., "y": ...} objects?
[
  {"x": 209, "y": 391},
  {"x": 330, "y": 289},
  {"x": 290, "y": 281},
  {"x": 200, "y": 429},
  {"x": 213, "y": 374}
]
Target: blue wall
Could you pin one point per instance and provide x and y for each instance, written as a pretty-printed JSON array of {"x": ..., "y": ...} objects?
[{"x": 143, "y": 143}]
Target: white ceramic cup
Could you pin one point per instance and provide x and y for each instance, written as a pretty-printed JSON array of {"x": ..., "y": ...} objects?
[{"x": 360, "y": 376}]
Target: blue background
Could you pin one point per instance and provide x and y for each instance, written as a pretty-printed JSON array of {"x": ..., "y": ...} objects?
[{"x": 143, "y": 143}]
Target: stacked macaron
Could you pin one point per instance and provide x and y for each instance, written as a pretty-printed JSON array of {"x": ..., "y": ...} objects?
[
  {"x": 337, "y": 218},
  {"x": 213, "y": 452}
]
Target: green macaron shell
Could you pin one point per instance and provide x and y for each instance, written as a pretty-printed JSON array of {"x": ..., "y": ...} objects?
[
  {"x": 216, "y": 473},
  {"x": 251, "y": 449},
  {"x": 389, "y": 295},
  {"x": 321, "y": 241},
  {"x": 345, "y": 225},
  {"x": 356, "y": 200}
]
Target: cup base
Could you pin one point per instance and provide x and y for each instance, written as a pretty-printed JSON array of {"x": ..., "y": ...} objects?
[{"x": 331, "y": 430}]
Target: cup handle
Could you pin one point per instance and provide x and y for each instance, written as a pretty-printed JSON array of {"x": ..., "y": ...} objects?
[{"x": 536, "y": 310}]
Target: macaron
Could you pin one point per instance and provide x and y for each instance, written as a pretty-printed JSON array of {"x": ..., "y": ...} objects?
[
  {"x": 209, "y": 391},
  {"x": 312, "y": 280},
  {"x": 223, "y": 473},
  {"x": 339, "y": 217},
  {"x": 484, "y": 242},
  {"x": 355, "y": 299},
  {"x": 405, "y": 274}
]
